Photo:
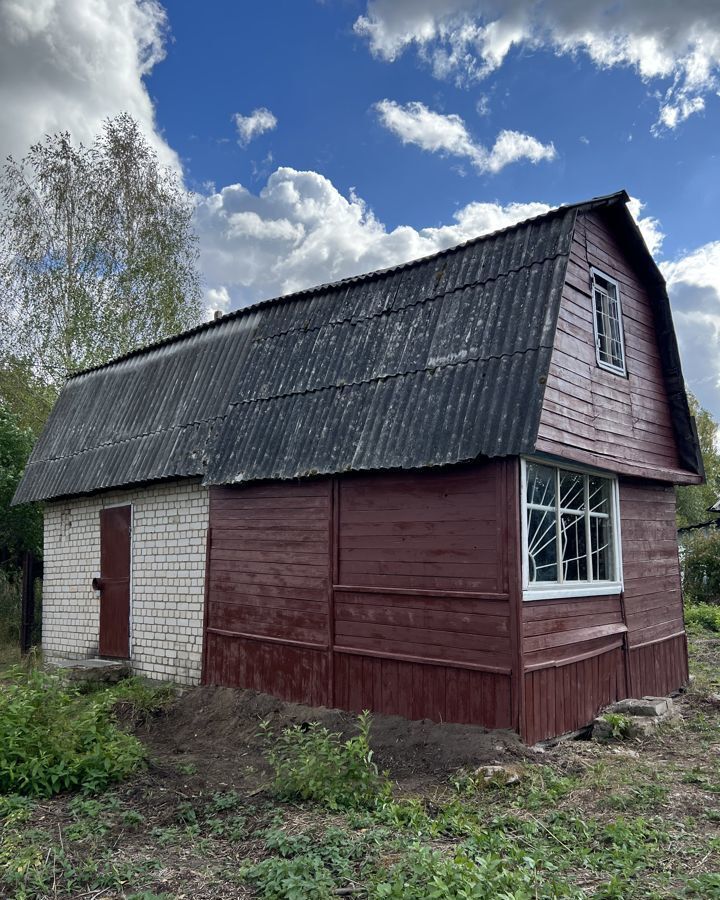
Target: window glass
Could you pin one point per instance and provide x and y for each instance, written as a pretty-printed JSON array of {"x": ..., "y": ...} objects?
[
  {"x": 540, "y": 485},
  {"x": 608, "y": 326},
  {"x": 569, "y": 527}
]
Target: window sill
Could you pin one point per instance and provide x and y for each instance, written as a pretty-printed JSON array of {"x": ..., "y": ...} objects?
[{"x": 561, "y": 591}]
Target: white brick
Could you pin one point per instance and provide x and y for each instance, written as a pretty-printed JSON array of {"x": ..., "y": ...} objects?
[{"x": 168, "y": 577}]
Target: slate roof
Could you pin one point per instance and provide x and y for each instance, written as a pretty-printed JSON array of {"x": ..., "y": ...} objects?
[{"x": 434, "y": 362}]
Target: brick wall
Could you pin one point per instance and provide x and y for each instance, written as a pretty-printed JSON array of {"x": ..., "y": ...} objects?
[{"x": 168, "y": 575}]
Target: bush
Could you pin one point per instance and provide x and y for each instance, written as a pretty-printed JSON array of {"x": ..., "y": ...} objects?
[
  {"x": 312, "y": 763},
  {"x": 702, "y": 617},
  {"x": 701, "y": 568},
  {"x": 52, "y": 738}
]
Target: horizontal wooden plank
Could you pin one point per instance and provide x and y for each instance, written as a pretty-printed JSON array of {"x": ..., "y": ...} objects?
[
  {"x": 422, "y": 660},
  {"x": 235, "y": 584},
  {"x": 388, "y": 633},
  {"x": 569, "y": 623},
  {"x": 538, "y": 610},
  {"x": 465, "y": 623},
  {"x": 491, "y": 604},
  {"x": 427, "y": 651},
  {"x": 264, "y": 638},
  {"x": 571, "y": 636}
]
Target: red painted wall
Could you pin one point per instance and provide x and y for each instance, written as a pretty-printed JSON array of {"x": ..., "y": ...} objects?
[
  {"x": 385, "y": 591},
  {"x": 589, "y": 414},
  {"x": 581, "y": 654}
]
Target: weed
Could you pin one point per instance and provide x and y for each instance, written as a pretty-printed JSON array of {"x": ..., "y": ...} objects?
[
  {"x": 224, "y": 800},
  {"x": 620, "y": 726},
  {"x": 642, "y": 796},
  {"x": 313, "y": 763},
  {"x": 52, "y": 739}
]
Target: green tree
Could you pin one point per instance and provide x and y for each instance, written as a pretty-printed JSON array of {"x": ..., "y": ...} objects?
[
  {"x": 20, "y": 526},
  {"x": 693, "y": 501},
  {"x": 97, "y": 257}
]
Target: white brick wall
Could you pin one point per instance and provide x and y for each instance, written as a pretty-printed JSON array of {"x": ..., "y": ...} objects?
[{"x": 169, "y": 527}]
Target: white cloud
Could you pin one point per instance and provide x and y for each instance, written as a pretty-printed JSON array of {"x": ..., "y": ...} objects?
[
  {"x": 649, "y": 226},
  {"x": 675, "y": 43},
  {"x": 65, "y": 65},
  {"x": 694, "y": 286},
  {"x": 217, "y": 300},
  {"x": 258, "y": 122},
  {"x": 300, "y": 231},
  {"x": 415, "y": 124}
]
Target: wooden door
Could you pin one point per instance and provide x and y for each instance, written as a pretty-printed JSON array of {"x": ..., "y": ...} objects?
[{"x": 115, "y": 582}]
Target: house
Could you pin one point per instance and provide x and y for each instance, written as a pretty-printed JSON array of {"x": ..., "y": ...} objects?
[{"x": 441, "y": 490}]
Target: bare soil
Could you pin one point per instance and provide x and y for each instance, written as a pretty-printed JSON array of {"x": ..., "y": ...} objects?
[{"x": 218, "y": 730}]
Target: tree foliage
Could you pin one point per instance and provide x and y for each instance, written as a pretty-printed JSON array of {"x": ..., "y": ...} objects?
[
  {"x": 97, "y": 255},
  {"x": 693, "y": 501},
  {"x": 20, "y": 526}
]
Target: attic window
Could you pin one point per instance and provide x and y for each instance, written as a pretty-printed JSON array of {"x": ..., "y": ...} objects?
[
  {"x": 570, "y": 533},
  {"x": 609, "y": 341}
]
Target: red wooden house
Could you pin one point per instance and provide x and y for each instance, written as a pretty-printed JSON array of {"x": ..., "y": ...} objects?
[{"x": 443, "y": 490}]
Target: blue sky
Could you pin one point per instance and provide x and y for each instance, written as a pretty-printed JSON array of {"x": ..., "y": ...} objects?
[{"x": 329, "y": 138}]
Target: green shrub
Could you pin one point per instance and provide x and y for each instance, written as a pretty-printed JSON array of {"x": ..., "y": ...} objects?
[
  {"x": 702, "y": 617},
  {"x": 701, "y": 568},
  {"x": 313, "y": 763},
  {"x": 53, "y": 739}
]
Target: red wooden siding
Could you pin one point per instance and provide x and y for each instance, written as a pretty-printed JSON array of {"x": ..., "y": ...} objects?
[
  {"x": 386, "y": 592},
  {"x": 431, "y": 531},
  {"x": 418, "y": 691},
  {"x": 563, "y": 698},
  {"x": 592, "y": 415},
  {"x": 400, "y": 593},
  {"x": 267, "y": 599},
  {"x": 570, "y": 646},
  {"x": 653, "y": 597}
]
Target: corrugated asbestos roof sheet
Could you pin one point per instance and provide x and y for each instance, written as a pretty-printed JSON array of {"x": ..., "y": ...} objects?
[{"x": 430, "y": 363}]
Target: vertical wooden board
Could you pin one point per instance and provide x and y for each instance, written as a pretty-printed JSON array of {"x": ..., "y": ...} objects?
[
  {"x": 437, "y": 690},
  {"x": 503, "y": 709}
]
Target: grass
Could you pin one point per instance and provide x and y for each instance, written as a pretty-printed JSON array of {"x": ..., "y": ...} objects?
[{"x": 630, "y": 819}]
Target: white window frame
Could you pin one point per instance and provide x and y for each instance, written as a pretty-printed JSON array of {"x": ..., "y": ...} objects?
[
  {"x": 609, "y": 367},
  {"x": 548, "y": 590}
]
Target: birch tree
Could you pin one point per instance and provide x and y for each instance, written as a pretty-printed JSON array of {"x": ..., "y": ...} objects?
[{"x": 97, "y": 255}]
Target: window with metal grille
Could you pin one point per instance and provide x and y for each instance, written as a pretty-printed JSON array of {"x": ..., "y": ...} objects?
[
  {"x": 570, "y": 531},
  {"x": 609, "y": 340}
]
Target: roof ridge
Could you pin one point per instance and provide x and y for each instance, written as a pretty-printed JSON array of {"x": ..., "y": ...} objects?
[{"x": 620, "y": 196}]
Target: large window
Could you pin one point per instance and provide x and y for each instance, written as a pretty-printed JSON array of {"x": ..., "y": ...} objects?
[
  {"x": 609, "y": 341},
  {"x": 570, "y": 532}
]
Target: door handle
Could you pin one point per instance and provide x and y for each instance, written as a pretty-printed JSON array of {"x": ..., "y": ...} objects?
[{"x": 98, "y": 584}]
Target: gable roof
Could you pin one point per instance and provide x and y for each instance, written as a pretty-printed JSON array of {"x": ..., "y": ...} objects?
[{"x": 437, "y": 361}]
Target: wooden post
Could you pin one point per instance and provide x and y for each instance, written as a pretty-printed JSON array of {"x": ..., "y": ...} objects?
[{"x": 27, "y": 604}]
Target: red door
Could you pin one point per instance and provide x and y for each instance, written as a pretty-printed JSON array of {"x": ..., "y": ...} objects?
[{"x": 115, "y": 582}]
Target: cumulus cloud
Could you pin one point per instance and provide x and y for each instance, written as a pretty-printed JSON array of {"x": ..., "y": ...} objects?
[
  {"x": 65, "y": 65},
  {"x": 694, "y": 286},
  {"x": 300, "y": 231},
  {"x": 415, "y": 124},
  {"x": 258, "y": 122},
  {"x": 649, "y": 226},
  {"x": 674, "y": 44}
]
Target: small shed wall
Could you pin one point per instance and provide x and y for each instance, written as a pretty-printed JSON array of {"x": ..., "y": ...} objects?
[
  {"x": 384, "y": 591},
  {"x": 169, "y": 526}
]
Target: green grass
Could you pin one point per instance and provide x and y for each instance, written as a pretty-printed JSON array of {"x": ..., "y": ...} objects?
[{"x": 632, "y": 821}]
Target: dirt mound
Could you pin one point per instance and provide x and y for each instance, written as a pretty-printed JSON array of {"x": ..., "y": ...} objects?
[{"x": 221, "y": 727}]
